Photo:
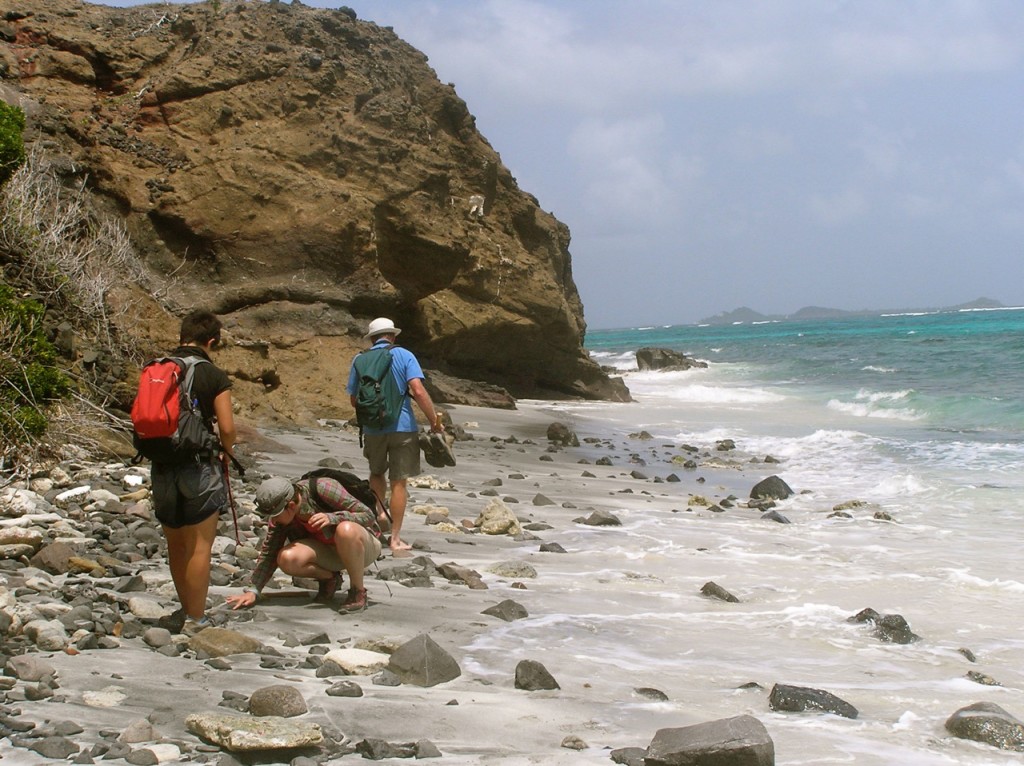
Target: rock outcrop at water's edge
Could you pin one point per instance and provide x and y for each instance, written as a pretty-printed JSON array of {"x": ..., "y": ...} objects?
[{"x": 301, "y": 171}]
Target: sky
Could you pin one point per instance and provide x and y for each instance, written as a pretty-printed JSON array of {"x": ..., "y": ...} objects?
[{"x": 772, "y": 154}]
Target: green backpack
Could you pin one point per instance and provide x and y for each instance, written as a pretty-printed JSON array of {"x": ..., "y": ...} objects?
[{"x": 379, "y": 400}]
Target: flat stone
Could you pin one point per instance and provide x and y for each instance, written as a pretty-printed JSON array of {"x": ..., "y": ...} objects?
[
  {"x": 249, "y": 733},
  {"x": 739, "y": 741},
  {"x": 358, "y": 662},
  {"x": 222, "y": 642}
]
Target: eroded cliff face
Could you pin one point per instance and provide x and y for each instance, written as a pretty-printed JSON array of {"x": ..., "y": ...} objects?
[{"x": 300, "y": 172}]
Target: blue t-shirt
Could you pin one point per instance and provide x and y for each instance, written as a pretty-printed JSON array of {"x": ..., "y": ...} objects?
[{"x": 405, "y": 367}]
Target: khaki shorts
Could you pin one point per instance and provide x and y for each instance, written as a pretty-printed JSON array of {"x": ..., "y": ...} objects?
[
  {"x": 327, "y": 555},
  {"x": 396, "y": 454}
]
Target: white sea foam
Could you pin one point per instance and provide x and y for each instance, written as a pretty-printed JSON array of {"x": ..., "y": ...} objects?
[
  {"x": 963, "y": 577},
  {"x": 947, "y": 559},
  {"x": 877, "y": 404}
]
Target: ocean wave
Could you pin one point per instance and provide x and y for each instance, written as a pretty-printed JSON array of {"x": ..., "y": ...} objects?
[
  {"x": 620, "y": 360},
  {"x": 962, "y": 577},
  {"x": 876, "y": 368},
  {"x": 700, "y": 394},
  {"x": 877, "y": 404},
  {"x": 868, "y": 410}
]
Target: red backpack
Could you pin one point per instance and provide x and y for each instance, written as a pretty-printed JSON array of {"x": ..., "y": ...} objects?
[{"x": 168, "y": 424}]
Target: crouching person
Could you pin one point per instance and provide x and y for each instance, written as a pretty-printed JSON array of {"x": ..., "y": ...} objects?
[{"x": 316, "y": 529}]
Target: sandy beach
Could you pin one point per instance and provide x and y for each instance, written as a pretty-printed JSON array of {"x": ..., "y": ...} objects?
[{"x": 480, "y": 717}]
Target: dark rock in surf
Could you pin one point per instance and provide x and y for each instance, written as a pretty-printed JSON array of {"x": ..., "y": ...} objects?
[
  {"x": 742, "y": 740},
  {"x": 771, "y": 488},
  {"x": 507, "y": 610},
  {"x": 714, "y": 590},
  {"x": 649, "y": 358},
  {"x": 651, "y": 693},
  {"x": 988, "y": 723},
  {"x": 629, "y": 756},
  {"x": 600, "y": 519},
  {"x": 890, "y": 628},
  {"x": 798, "y": 699}
]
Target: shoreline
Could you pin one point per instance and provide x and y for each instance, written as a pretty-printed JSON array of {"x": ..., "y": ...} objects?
[{"x": 477, "y": 718}]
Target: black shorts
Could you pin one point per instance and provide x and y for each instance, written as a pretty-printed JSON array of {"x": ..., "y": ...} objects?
[{"x": 188, "y": 493}]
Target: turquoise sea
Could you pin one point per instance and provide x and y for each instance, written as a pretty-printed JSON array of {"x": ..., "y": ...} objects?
[
  {"x": 947, "y": 372},
  {"x": 919, "y": 419}
]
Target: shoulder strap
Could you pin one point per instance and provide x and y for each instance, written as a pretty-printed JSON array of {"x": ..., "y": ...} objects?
[
  {"x": 314, "y": 495},
  {"x": 189, "y": 363}
]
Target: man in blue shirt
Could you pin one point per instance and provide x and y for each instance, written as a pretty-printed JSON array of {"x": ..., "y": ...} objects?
[{"x": 395, "y": 450}]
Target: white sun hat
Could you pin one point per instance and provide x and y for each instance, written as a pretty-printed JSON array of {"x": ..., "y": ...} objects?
[{"x": 382, "y": 326}]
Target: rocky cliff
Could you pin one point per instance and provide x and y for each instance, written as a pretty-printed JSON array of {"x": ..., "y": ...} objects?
[{"x": 300, "y": 172}]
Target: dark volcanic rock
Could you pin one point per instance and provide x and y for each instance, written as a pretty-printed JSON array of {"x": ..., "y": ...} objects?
[
  {"x": 301, "y": 171},
  {"x": 891, "y": 628},
  {"x": 600, "y": 519},
  {"x": 772, "y": 488},
  {"x": 665, "y": 359},
  {"x": 714, "y": 590},
  {"x": 987, "y": 722},
  {"x": 533, "y": 676},
  {"x": 507, "y": 610},
  {"x": 739, "y": 741},
  {"x": 797, "y": 699}
]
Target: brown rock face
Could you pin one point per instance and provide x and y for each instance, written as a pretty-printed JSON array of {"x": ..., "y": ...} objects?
[{"x": 300, "y": 172}]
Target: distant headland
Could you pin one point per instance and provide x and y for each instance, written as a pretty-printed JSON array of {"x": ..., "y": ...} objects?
[{"x": 744, "y": 315}]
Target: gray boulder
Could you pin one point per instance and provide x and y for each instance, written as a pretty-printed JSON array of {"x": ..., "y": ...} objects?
[
  {"x": 421, "y": 662},
  {"x": 739, "y": 741},
  {"x": 532, "y": 676},
  {"x": 560, "y": 433},
  {"x": 279, "y": 700},
  {"x": 507, "y": 610},
  {"x": 988, "y": 723},
  {"x": 29, "y": 668},
  {"x": 600, "y": 519}
]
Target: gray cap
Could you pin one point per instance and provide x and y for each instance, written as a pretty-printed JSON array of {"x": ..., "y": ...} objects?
[{"x": 273, "y": 495}]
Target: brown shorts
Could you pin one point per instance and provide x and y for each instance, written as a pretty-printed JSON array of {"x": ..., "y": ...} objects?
[
  {"x": 396, "y": 454},
  {"x": 327, "y": 555}
]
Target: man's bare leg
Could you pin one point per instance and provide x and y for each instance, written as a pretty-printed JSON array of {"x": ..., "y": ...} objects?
[{"x": 399, "y": 498}]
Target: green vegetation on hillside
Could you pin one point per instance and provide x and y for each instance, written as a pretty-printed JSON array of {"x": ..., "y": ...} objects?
[
  {"x": 29, "y": 377},
  {"x": 12, "y": 144}
]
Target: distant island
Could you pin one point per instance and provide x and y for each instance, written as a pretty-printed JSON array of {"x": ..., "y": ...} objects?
[{"x": 744, "y": 315}]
